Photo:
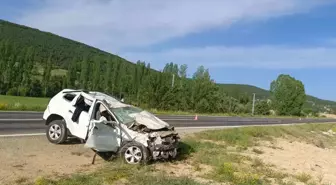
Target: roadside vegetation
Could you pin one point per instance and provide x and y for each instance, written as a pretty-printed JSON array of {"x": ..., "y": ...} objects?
[
  {"x": 236, "y": 156},
  {"x": 20, "y": 103}
]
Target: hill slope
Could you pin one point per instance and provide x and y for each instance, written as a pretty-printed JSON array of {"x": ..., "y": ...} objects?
[
  {"x": 236, "y": 90},
  {"x": 64, "y": 51}
]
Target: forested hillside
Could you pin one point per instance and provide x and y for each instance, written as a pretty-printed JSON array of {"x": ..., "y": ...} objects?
[
  {"x": 238, "y": 90},
  {"x": 45, "y": 44},
  {"x": 36, "y": 63}
]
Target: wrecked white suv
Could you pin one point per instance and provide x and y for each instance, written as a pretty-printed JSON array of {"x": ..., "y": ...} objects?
[{"x": 109, "y": 127}]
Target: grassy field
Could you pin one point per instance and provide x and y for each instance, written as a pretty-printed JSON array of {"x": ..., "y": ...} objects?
[
  {"x": 18, "y": 103},
  {"x": 228, "y": 156}
]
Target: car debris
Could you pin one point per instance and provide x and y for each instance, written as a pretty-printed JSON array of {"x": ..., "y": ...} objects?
[{"x": 109, "y": 127}]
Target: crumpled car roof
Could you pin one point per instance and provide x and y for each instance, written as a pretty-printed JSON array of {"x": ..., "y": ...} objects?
[{"x": 113, "y": 102}]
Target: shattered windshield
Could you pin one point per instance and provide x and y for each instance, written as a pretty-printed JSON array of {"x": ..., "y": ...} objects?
[{"x": 126, "y": 114}]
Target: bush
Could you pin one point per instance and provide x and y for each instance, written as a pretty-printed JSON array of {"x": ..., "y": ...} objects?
[
  {"x": 262, "y": 108},
  {"x": 23, "y": 91},
  {"x": 12, "y": 91},
  {"x": 3, "y": 106}
]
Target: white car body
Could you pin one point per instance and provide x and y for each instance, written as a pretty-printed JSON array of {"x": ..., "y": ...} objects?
[{"x": 129, "y": 124}]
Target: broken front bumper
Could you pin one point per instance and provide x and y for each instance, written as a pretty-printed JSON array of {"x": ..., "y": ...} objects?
[{"x": 164, "y": 147}]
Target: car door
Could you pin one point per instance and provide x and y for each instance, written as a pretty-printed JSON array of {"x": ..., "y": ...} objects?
[
  {"x": 79, "y": 115},
  {"x": 103, "y": 137}
]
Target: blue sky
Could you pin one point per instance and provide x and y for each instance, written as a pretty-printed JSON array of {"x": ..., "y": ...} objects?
[{"x": 241, "y": 41}]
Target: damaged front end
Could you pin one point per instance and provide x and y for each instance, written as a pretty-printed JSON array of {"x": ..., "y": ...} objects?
[
  {"x": 162, "y": 143},
  {"x": 157, "y": 135}
]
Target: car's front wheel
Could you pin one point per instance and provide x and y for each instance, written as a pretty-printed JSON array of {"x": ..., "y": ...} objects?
[
  {"x": 134, "y": 153},
  {"x": 57, "y": 132}
]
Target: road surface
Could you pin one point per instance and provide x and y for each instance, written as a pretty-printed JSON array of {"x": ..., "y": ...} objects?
[{"x": 32, "y": 122}]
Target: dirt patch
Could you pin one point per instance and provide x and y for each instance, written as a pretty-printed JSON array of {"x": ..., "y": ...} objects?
[
  {"x": 220, "y": 143},
  {"x": 185, "y": 169},
  {"x": 301, "y": 159},
  {"x": 333, "y": 116},
  {"x": 24, "y": 159}
]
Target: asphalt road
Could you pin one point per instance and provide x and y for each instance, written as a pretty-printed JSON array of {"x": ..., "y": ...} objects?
[{"x": 31, "y": 122}]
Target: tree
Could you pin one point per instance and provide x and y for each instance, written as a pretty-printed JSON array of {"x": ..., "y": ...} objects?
[
  {"x": 72, "y": 74},
  {"x": 204, "y": 91},
  {"x": 84, "y": 74},
  {"x": 262, "y": 108},
  {"x": 107, "y": 76},
  {"x": 28, "y": 67},
  {"x": 47, "y": 75},
  {"x": 96, "y": 75},
  {"x": 36, "y": 89},
  {"x": 288, "y": 95},
  {"x": 183, "y": 71},
  {"x": 116, "y": 72}
]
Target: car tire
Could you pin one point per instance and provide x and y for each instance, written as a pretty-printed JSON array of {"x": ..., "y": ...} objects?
[
  {"x": 134, "y": 153},
  {"x": 57, "y": 132}
]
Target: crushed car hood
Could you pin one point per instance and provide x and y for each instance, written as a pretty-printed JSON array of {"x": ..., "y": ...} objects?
[{"x": 149, "y": 120}]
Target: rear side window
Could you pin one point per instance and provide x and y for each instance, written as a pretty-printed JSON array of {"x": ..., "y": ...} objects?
[{"x": 69, "y": 97}]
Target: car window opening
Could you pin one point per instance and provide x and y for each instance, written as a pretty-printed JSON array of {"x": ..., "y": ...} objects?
[
  {"x": 69, "y": 97},
  {"x": 83, "y": 103},
  {"x": 102, "y": 111}
]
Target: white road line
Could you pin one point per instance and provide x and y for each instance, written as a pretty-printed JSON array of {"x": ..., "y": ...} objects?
[
  {"x": 186, "y": 119},
  {"x": 21, "y": 119},
  {"x": 229, "y": 126},
  {"x": 22, "y": 135},
  {"x": 21, "y": 112}
]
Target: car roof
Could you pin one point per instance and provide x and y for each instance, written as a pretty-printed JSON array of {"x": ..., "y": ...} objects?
[{"x": 112, "y": 101}]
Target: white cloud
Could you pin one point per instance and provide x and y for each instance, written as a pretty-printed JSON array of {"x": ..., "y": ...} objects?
[
  {"x": 115, "y": 24},
  {"x": 267, "y": 57}
]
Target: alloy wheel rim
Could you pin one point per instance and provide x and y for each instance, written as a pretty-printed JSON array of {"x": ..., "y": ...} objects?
[
  {"x": 133, "y": 155},
  {"x": 55, "y": 132}
]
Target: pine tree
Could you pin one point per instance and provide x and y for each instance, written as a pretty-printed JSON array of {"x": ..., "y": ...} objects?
[
  {"x": 96, "y": 75},
  {"x": 2, "y": 60},
  {"x": 47, "y": 75},
  {"x": 116, "y": 76},
  {"x": 107, "y": 76},
  {"x": 122, "y": 79},
  {"x": 84, "y": 74},
  {"x": 71, "y": 74},
  {"x": 64, "y": 82}
]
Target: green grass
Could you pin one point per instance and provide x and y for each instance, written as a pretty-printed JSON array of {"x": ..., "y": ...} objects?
[
  {"x": 54, "y": 72},
  {"x": 59, "y": 72},
  {"x": 249, "y": 136},
  {"x": 19, "y": 103}
]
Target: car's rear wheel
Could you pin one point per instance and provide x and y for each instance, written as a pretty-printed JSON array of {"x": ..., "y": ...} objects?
[
  {"x": 57, "y": 132},
  {"x": 134, "y": 153}
]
